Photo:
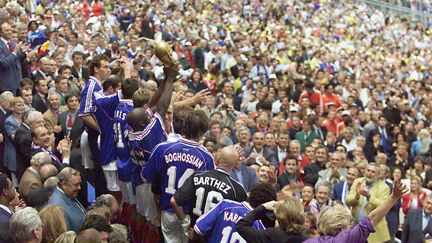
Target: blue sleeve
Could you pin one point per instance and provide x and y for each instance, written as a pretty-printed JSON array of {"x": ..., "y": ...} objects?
[
  {"x": 86, "y": 99},
  {"x": 9, "y": 127},
  {"x": 108, "y": 103},
  {"x": 210, "y": 163},
  {"x": 206, "y": 222},
  {"x": 8, "y": 60},
  {"x": 151, "y": 170}
]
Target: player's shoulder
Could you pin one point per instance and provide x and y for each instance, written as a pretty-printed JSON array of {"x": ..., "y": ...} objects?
[
  {"x": 230, "y": 203},
  {"x": 196, "y": 146},
  {"x": 165, "y": 145},
  {"x": 202, "y": 173}
]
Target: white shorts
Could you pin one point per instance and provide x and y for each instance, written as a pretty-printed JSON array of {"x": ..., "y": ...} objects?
[
  {"x": 146, "y": 205},
  {"x": 127, "y": 192},
  {"x": 171, "y": 228},
  {"x": 111, "y": 176}
]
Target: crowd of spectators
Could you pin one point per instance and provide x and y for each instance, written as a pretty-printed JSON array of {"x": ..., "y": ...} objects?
[{"x": 330, "y": 103}]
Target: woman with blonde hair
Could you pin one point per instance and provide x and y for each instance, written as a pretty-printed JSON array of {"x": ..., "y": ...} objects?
[
  {"x": 334, "y": 223},
  {"x": 289, "y": 226},
  {"x": 66, "y": 237},
  {"x": 415, "y": 198},
  {"x": 54, "y": 223}
]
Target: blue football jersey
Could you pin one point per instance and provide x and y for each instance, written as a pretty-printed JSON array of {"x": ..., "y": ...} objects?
[
  {"x": 171, "y": 163},
  {"x": 142, "y": 143},
  {"x": 105, "y": 107},
  {"x": 87, "y": 96},
  {"x": 218, "y": 224},
  {"x": 122, "y": 151}
]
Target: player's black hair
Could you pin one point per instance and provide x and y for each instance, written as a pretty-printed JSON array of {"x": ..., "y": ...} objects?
[
  {"x": 179, "y": 118},
  {"x": 196, "y": 125},
  {"x": 129, "y": 86},
  {"x": 262, "y": 193},
  {"x": 111, "y": 82}
]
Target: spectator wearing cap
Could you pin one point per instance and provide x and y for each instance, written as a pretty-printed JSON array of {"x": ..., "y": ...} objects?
[
  {"x": 260, "y": 70},
  {"x": 313, "y": 95}
]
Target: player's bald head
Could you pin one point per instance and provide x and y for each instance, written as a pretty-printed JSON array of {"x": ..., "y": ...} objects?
[
  {"x": 227, "y": 158},
  {"x": 47, "y": 171},
  {"x": 138, "y": 118}
]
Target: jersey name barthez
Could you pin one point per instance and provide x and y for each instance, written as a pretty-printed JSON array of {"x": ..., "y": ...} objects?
[
  {"x": 187, "y": 158},
  {"x": 210, "y": 181}
]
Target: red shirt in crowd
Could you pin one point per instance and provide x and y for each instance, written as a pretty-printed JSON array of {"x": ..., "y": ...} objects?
[{"x": 314, "y": 98}]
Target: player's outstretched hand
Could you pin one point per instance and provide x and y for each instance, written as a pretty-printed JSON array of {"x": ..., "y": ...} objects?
[
  {"x": 272, "y": 175},
  {"x": 399, "y": 189}
]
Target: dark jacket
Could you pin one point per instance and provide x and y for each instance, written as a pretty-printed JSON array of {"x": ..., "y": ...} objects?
[
  {"x": 39, "y": 104},
  {"x": 23, "y": 142},
  {"x": 250, "y": 234},
  {"x": 268, "y": 154},
  {"x": 412, "y": 231}
]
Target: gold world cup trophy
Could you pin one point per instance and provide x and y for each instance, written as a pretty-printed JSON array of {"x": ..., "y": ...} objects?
[{"x": 162, "y": 51}]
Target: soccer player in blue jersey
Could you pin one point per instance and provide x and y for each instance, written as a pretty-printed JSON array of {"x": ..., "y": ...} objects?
[
  {"x": 106, "y": 102},
  {"x": 218, "y": 225},
  {"x": 171, "y": 163},
  {"x": 124, "y": 163},
  {"x": 147, "y": 131},
  {"x": 205, "y": 189},
  {"x": 99, "y": 71}
]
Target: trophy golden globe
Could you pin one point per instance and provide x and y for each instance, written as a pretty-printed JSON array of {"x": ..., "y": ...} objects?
[{"x": 164, "y": 53}]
